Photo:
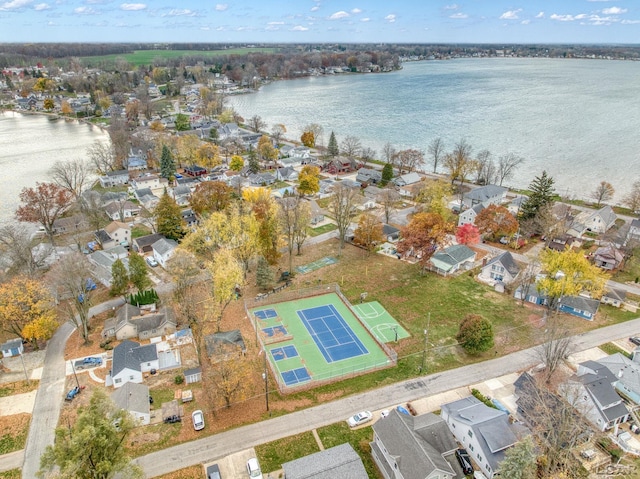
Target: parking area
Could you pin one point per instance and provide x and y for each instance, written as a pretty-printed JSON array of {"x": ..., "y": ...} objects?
[{"x": 235, "y": 465}]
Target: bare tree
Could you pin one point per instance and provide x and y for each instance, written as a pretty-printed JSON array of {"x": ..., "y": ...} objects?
[
  {"x": 408, "y": 160},
  {"x": 436, "y": 151},
  {"x": 389, "y": 152},
  {"x": 388, "y": 198},
  {"x": 603, "y": 192},
  {"x": 367, "y": 154},
  {"x": 485, "y": 168},
  {"x": 93, "y": 210},
  {"x": 277, "y": 132},
  {"x": 526, "y": 279},
  {"x": 632, "y": 199},
  {"x": 256, "y": 123},
  {"x": 507, "y": 165},
  {"x": 459, "y": 162},
  {"x": 120, "y": 139},
  {"x": 72, "y": 175},
  {"x": 17, "y": 255},
  {"x": 342, "y": 208},
  {"x": 301, "y": 231},
  {"x": 556, "y": 347},
  {"x": 350, "y": 147},
  {"x": 102, "y": 156}
]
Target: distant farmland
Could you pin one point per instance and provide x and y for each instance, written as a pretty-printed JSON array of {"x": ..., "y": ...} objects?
[{"x": 146, "y": 57}]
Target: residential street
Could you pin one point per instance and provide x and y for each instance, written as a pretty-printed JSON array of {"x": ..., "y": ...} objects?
[{"x": 223, "y": 444}]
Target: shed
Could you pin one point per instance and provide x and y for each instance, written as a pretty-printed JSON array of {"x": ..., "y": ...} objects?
[
  {"x": 193, "y": 375},
  {"x": 11, "y": 348}
]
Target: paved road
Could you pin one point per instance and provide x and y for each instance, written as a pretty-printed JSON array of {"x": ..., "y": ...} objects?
[
  {"x": 46, "y": 411},
  {"x": 225, "y": 443}
]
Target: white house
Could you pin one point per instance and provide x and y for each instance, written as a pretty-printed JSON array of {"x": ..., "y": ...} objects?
[
  {"x": 596, "y": 222},
  {"x": 163, "y": 250},
  {"x": 130, "y": 360},
  {"x": 134, "y": 398},
  {"x": 114, "y": 178},
  {"x": 485, "y": 195},
  {"x": 408, "y": 179},
  {"x": 469, "y": 215},
  {"x": 12, "y": 347},
  {"x": 502, "y": 268}
]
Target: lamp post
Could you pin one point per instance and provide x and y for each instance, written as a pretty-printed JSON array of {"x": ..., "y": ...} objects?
[{"x": 265, "y": 376}]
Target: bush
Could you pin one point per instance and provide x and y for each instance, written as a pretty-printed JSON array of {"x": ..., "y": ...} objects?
[
  {"x": 608, "y": 445},
  {"x": 179, "y": 379},
  {"x": 106, "y": 345},
  {"x": 476, "y": 334},
  {"x": 142, "y": 298},
  {"x": 481, "y": 397}
]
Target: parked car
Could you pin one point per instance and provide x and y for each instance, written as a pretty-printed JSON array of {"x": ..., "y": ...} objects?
[
  {"x": 151, "y": 261},
  {"x": 384, "y": 413},
  {"x": 172, "y": 419},
  {"x": 635, "y": 340},
  {"x": 73, "y": 393},
  {"x": 465, "y": 461},
  {"x": 87, "y": 363},
  {"x": 198, "y": 419},
  {"x": 213, "y": 472},
  {"x": 253, "y": 468},
  {"x": 360, "y": 418}
]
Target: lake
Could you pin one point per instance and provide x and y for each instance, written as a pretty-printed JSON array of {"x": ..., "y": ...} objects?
[
  {"x": 30, "y": 145},
  {"x": 578, "y": 119}
]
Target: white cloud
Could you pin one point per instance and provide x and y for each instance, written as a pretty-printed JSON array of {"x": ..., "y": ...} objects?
[
  {"x": 390, "y": 18},
  {"x": 451, "y": 7},
  {"x": 525, "y": 22},
  {"x": 205, "y": 28},
  {"x": 510, "y": 14},
  {"x": 275, "y": 23},
  {"x": 355, "y": 11},
  {"x": 181, "y": 13},
  {"x": 540, "y": 15},
  {"x": 630, "y": 22},
  {"x": 84, "y": 11},
  {"x": 365, "y": 19},
  {"x": 15, "y": 4},
  {"x": 339, "y": 15},
  {"x": 614, "y": 11},
  {"x": 299, "y": 28},
  {"x": 458, "y": 16},
  {"x": 41, "y": 6},
  {"x": 315, "y": 8},
  {"x": 562, "y": 18},
  {"x": 221, "y": 7},
  {"x": 132, "y": 7}
]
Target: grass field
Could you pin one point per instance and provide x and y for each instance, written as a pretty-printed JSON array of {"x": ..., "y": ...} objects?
[{"x": 146, "y": 57}]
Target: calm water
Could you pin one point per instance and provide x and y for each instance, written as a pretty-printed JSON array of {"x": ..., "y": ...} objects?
[
  {"x": 30, "y": 145},
  {"x": 578, "y": 119}
]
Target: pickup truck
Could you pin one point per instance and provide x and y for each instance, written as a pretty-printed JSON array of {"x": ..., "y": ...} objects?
[{"x": 87, "y": 363}]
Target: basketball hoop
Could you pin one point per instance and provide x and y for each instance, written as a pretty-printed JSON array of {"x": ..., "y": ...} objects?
[{"x": 363, "y": 296}]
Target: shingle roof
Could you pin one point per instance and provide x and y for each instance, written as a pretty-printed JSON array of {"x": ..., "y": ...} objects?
[
  {"x": 123, "y": 359},
  {"x": 164, "y": 246},
  {"x": 454, "y": 255},
  {"x": 146, "y": 353},
  {"x": 485, "y": 193},
  {"x": 336, "y": 462},
  {"x": 132, "y": 397},
  {"x": 147, "y": 240},
  {"x": 506, "y": 260},
  {"x": 580, "y": 303}
]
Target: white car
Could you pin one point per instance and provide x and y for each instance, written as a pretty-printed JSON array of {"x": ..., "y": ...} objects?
[
  {"x": 198, "y": 420},
  {"x": 151, "y": 261},
  {"x": 253, "y": 468},
  {"x": 360, "y": 418}
]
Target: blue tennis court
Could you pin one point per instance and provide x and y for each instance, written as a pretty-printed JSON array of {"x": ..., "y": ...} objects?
[
  {"x": 295, "y": 376},
  {"x": 265, "y": 313},
  {"x": 274, "y": 330},
  {"x": 331, "y": 333},
  {"x": 284, "y": 352}
]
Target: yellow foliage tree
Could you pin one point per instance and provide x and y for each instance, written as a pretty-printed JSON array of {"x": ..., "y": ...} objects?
[
  {"x": 208, "y": 155},
  {"x": 187, "y": 147},
  {"x": 227, "y": 277},
  {"x": 309, "y": 180},
  {"x": 65, "y": 108}
]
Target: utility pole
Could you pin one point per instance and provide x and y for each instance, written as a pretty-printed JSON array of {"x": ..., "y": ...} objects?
[
  {"x": 423, "y": 368},
  {"x": 74, "y": 374}
]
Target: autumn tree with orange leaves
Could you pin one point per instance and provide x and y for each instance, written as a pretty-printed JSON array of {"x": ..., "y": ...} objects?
[
  {"x": 468, "y": 234},
  {"x": 423, "y": 236},
  {"x": 495, "y": 221}
]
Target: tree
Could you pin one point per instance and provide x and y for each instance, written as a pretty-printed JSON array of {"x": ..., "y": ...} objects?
[
  {"x": 138, "y": 272},
  {"x": 507, "y": 165},
  {"x": 93, "y": 210},
  {"x": 208, "y": 155},
  {"x": 475, "y": 334},
  {"x": 256, "y": 123},
  {"x": 434, "y": 196},
  {"x": 187, "y": 148},
  {"x": 485, "y": 168},
  {"x": 309, "y": 180},
  {"x": 342, "y": 207},
  {"x": 264, "y": 274},
  {"x": 408, "y": 160},
  {"x": 556, "y": 347},
  {"x": 184, "y": 271},
  {"x": 496, "y": 221},
  {"x": 459, "y": 162},
  {"x": 388, "y": 198},
  {"x": 520, "y": 460},
  {"x": 266, "y": 150},
  {"x": 368, "y": 234},
  {"x": 102, "y": 156},
  {"x": 293, "y": 218},
  {"x": 424, "y": 234},
  {"x": 308, "y": 139},
  {"x": 119, "y": 278},
  {"x": 603, "y": 192},
  {"x": 301, "y": 230},
  {"x": 468, "y": 234},
  {"x": 182, "y": 122},
  {"x": 542, "y": 195},
  {"x": 94, "y": 447},
  {"x": 72, "y": 175},
  {"x": 169, "y": 221},
  {"x": 632, "y": 199},
  {"x": 49, "y": 104},
  {"x": 167, "y": 165},
  {"x": 120, "y": 136},
  {"x": 16, "y": 253},
  {"x": 210, "y": 196},
  {"x": 26, "y": 310},
  {"x": 43, "y": 204},
  {"x": 317, "y": 132},
  {"x": 350, "y": 147},
  {"x": 230, "y": 378},
  {"x": 71, "y": 277},
  {"x": 277, "y": 132},
  {"x": 367, "y": 154},
  {"x": 227, "y": 276},
  {"x": 388, "y": 152},
  {"x": 436, "y": 150},
  {"x": 387, "y": 174},
  {"x": 65, "y": 108},
  {"x": 254, "y": 164},
  {"x": 236, "y": 163},
  {"x": 332, "y": 148}
]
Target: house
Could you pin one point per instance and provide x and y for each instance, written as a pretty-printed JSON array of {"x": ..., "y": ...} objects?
[
  {"x": 189, "y": 217},
  {"x": 585, "y": 308},
  {"x": 286, "y": 173},
  {"x": 391, "y": 233},
  {"x": 608, "y": 257},
  {"x": 136, "y": 163},
  {"x": 484, "y": 431},
  {"x": 326, "y": 187},
  {"x": 143, "y": 243},
  {"x": 153, "y": 182},
  {"x": 411, "y": 191},
  {"x": 11, "y": 348},
  {"x": 485, "y": 196},
  {"x": 626, "y": 373},
  {"x": 224, "y": 343},
  {"x": 317, "y": 213},
  {"x": 146, "y": 197},
  {"x": 70, "y": 225},
  {"x": 340, "y": 165},
  {"x": 407, "y": 179},
  {"x": 595, "y": 222},
  {"x": 633, "y": 235},
  {"x": 452, "y": 259},
  {"x": 114, "y": 234},
  {"x": 195, "y": 171},
  {"x": 102, "y": 261},
  {"x": 591, "y": 392},
  {"x": 133, "y": 322},
  {"x": 114, "y": 178},
  {"x": 339, "y": 461},
  {"x": 262, "y": 179},
  {"x": 563, "y": 242},
  {"x": 368, "y": 175},
  {"x": 502, "y": 268},
  {"x": 163, "y": 250},
  {"x": 469, "y": 215},
  {"x": 409, "y": 447},
  {"x": 134, "y": 398},
  {"x": 531, "y": 294},
  {"x": 373, "y": 193},
  {"x": 181, "y": 194},
  {"x": 130, "y": 360},
  {"x": 121, "y": 210},
  {"x": 614, "y": 297},
  {"x": 515, "y": 204}
]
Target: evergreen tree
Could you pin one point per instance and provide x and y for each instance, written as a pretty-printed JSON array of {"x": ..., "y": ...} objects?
[
  {"x": 119, "y": 279},
  {"x": 333, "y": 149},
  {"x": 387, "y": 174},
  {"x": 542, "y": 193},
  {"x": 138, "y": 272},
  {"x": 475, "y": 334},
  {"x": 520, "y": 460},
  {"x": 167, "y": 165},
  {"x": 169, "y": 220},
  {"x": 254, "y": 164},
  {"x": 264, "y": 275}
]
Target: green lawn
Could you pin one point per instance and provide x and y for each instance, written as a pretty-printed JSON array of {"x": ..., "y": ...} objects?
[
  {"x": 322, "y": 229},
  {"x": 631, "y": 269},
  {"x": 146, "y": 57},
  {"x": 273, "y": 454},
  {"x": 11, "y": 474}
]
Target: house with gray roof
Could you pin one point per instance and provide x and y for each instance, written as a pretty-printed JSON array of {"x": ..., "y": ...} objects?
[
  {"x": 286, "y": 173},
  {"x": 121, "y": 209},
  {"x": 592, "y": 393},
  {"x": 614, "y": 297},
  {"x": 407, "y": 179},
  {"x": 134, "y": 398},
  {"x": 452, "y": 259},
  {"x": 608, "y": 257},
  {"x": 163, "y": 250},
  {"x": 143, "y": 244},
  {"x": 633, "y": 235},
  {"x": 130, "y": 360},
  {"x": 414, "y": 447},
  {"x": 502, "y": 268},
  {"x": 340, "y": 462},
  {"x": 224, "y": 343},
  {"x": 13, "y": 347},
  {"x": 369, "y": 175},
  {"x": 585, "y": 308},
  {"x": 593, "y": 221},
  {"x": 114, "y": 178},
  {"x": 134, "y": 322},
  {"x": 626, "y": 374},
  {"x": 262, "y": 179},
  {"x": 485, "y": 432},
  {"x": 469, "y": 215},
  {"x": 102, "y": 263},
  {"x": 485, "y": 196},
  {"x": 182, "y": 194}
]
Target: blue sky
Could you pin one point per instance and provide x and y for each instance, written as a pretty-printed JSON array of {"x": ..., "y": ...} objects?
[{"x": 357, "y": 21}]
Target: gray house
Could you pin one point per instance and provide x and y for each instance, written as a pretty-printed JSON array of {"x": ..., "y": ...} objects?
[
  {"x": 132, "y": 322},
  {"x": 336, "y": 462},
  {"x": 130, "y": 360},
  {"x": 469, "y": 215},
  {"x": 114, "y": 178},
  {"x": 502, "y": 268},
  {"x": 134, "y": 398},
  {"x": 485, "y": 196},
  {"x": 409, "y": 447},
  {"x": 452, "y": 259},
  {"x": 368, "y": 175}
]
